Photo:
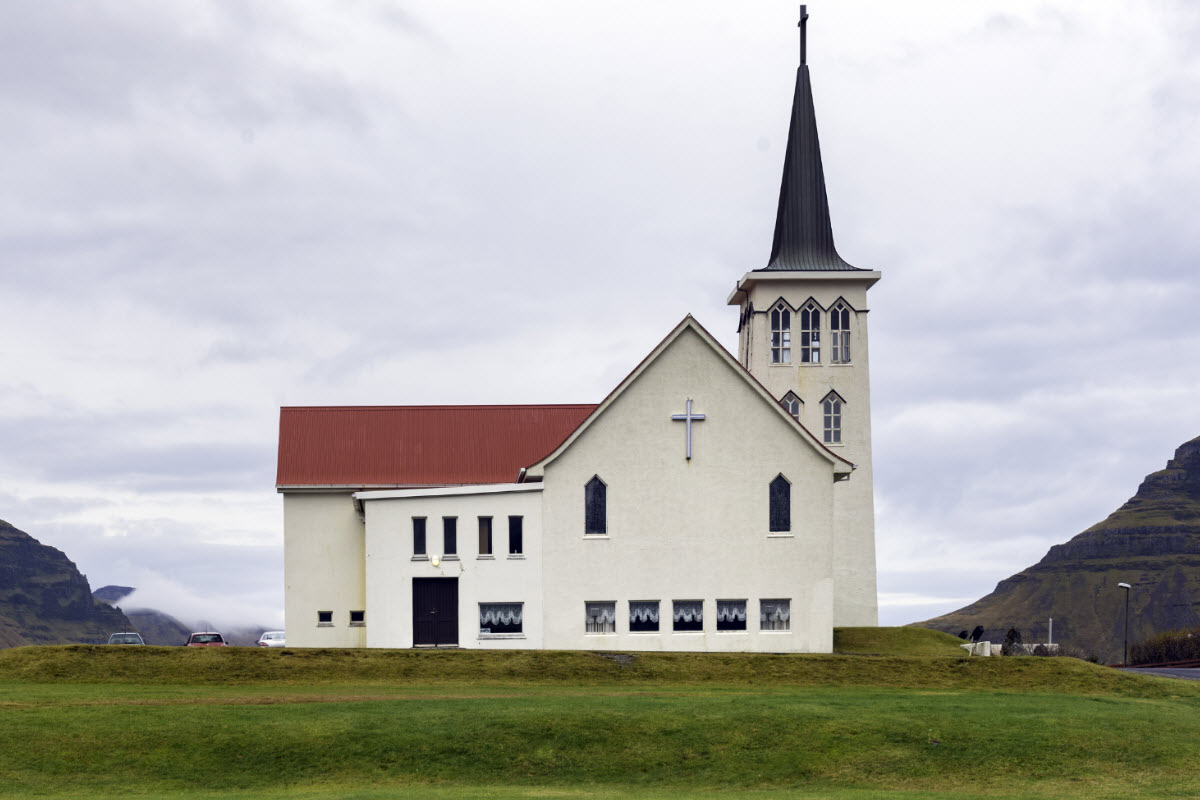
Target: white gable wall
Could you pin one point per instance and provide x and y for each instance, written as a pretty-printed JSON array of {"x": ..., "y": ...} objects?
[
  {"x": 689, "y": 530},
  {"x": 323, "y": 569}
]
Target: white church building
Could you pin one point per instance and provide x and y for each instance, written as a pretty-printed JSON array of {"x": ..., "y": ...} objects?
[{"x": 711, "y": 502}]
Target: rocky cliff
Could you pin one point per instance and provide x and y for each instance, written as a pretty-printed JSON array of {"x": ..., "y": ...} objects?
[
  {"x": 1151, "y": 542},
  {"x": 44, "y": 599}
]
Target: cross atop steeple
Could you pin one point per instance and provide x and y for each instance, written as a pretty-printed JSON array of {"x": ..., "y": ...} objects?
[{"x": 803, "y": 25}]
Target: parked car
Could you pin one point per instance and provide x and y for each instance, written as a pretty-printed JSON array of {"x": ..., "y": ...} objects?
[
  {"x": 126, "y": 637},
  {"x": 272, "y": 639},
  {"x": 207, "y": 639}
]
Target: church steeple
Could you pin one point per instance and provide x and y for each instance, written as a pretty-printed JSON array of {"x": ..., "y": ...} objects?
[{"x": 803, "y": 233}]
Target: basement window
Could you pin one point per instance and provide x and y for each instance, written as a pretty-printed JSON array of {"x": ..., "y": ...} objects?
[
  {"x": 358, "y": 619},
  {"x": 324, "y": 619}
]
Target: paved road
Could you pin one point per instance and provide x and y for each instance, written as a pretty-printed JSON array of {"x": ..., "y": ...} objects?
[{"x": 1187, "y": 673}]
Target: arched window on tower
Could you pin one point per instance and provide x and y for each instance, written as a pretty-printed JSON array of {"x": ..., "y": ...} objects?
[
  {"x": 781, "y": 334},
  {"x": 595, "y": 506},
  {"x": 810, "y": 333},
  {"x": 792, "y": 403},
  {"x": 781, "y": 505},
  {"x": 839, "y": 333},
  {"x": 831, "y": 410}
]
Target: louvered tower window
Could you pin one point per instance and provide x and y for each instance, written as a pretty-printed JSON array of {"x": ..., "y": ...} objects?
[
  {"x": 831, "y": 408},
  {"x": 810, "y": 333},
  {"x": 781, "y": 334},
  {"x": 839, "y": 333}
]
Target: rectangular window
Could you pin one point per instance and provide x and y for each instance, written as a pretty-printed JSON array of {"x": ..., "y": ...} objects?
[
  {"x": 839, "y": 333},
  {"x": 731, "y": 615},
  {"x": 358, "y": 619},
  {"x": 775, "y": 615},
  {"x": 600, "y": 617},
  {"x": 832, "y": 408},
  {"x": 689, "y": 615},
  {"x": 810, "y": 334},
  {"x": 516, "y": 526},
  {"x": 449, "y": 536},
  {"x": 419, "y": 536},
  {"x": 485, "y": 536},
  {"x": 643, "y": 615},
  {"x": 324, "y": 619},
  {"x": 500, "y": 618},
  {"x": 781, "y": 335}
]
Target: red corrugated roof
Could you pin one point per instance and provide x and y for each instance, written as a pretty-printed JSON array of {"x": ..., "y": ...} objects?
[{"x": 417, "y": 445}]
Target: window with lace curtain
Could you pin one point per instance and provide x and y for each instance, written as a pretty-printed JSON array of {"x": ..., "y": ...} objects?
[
  {"x": 500, "y": 618},
  {"x": 731, "y": 615},
  {"x": 643, "y": 616},
  {"x": 688, "y": 615},
  {"x": 775, "y": 615},
  {"x": 600, "y": 617}
]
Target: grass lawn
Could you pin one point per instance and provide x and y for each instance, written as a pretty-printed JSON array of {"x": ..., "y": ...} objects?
[{"x": 85, "y": 721}]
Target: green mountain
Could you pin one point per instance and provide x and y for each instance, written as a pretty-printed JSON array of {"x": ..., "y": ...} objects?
[
  {"x": 1152, "y": 543},
  {"x": 44, "y": 599}
]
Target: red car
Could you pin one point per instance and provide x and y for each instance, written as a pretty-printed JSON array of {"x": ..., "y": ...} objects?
[{"x": 207, "y": 639}]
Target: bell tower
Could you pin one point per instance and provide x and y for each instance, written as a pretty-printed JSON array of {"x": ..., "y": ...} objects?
[{"x": 802, "y": 332}]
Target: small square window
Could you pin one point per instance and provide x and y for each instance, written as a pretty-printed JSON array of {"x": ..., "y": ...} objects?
[
  {"x": 689, "y": 615},
  {"x": 358, "y": 619},
  {"x": 324, "y": 619},
  {"x": 731, "y": 615},
  {"x": 775, "y": 615},
  {"x": 600, "y": 617},
  {"x": 500, "y": 618},
  {"x": 643, "y": 616}
]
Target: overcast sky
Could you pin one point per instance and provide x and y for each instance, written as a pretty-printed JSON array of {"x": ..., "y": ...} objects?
[{"x": 209, "y": 210}]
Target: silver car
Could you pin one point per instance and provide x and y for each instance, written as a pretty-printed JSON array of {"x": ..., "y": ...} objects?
[
  {"x": 126, "y": 637},
  {"x": 272, "y": 639}
]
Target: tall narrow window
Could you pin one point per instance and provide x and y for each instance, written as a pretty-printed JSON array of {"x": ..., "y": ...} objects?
[
  {"x": 516, "y": 530},
  {"x": 831, "y": 408},
  {"x": 792, "y": 403},
  {"x": 418, "y": 536},
  {"x": 780, "y": 505},
  {"x": 449, "y": 536},
  {"x": 595, "y": 506},
  {"x": 485, "y": 536},
  {"x": 781, "y": 334},
  {"x": 839, "y": 333},
  {"x": 810, "y": 333}
]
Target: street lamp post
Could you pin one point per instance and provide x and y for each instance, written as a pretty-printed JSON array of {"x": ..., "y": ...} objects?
[{"x": 1125, "y": 658}]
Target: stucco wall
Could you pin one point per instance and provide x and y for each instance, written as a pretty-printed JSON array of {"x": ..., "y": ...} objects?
[
  {"x": 500, "y": 578},
  {"x": 689, "y": 530},
  {"x": 323, "y": 569}
]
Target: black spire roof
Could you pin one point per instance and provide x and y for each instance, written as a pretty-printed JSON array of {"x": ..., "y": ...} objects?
[{"x": 803, "y": 234}]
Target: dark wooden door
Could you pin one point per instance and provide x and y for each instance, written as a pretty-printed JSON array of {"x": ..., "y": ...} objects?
[{"x": 435, "y": 611}]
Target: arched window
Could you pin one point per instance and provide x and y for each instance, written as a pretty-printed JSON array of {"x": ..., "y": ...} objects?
[
  {"x": 595, "y": 506},
  {"x": 781, "y": 334},
  {"x": 810, "y": 333},
  {"x": 839, "y": 333},
  {"x": 831, "y": 410},
  {"x": 792, "y": 403},
  {"x": 781, "y": 504}
]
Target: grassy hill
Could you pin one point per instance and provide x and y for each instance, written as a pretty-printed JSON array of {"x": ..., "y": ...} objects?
[
  {"x": 1151, "y": 542},
  {"x": 94, "y": 721}
]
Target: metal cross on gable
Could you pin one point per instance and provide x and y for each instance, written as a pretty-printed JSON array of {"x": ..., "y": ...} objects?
[{"x": 688, "y": 417}]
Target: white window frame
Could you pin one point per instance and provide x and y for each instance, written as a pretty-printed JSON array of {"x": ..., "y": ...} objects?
[
  {"x": 600, "y": 617},
  {"x": 778, "y": 625},
  {"x": 792, "y": 403},
  {"x": 781, "y": 333},
  {"x": 810, "y": 334},
  {"x": 488, "y": 634},
  {"x": 839, "y": 333},
  {"x": 831, "y": 417}
]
